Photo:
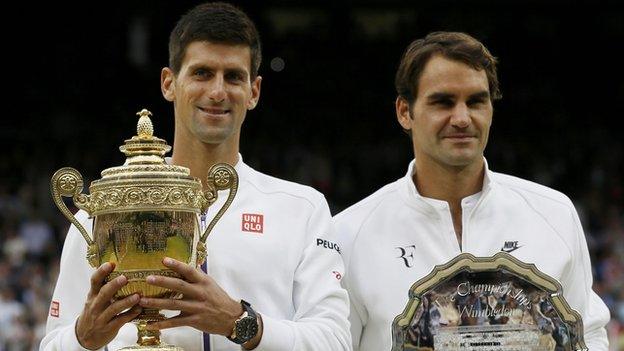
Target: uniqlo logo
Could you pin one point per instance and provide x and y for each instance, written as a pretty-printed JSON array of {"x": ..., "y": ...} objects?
[
  {"x": 54, "y": 309},
  {"x": 252, "y": 223}
]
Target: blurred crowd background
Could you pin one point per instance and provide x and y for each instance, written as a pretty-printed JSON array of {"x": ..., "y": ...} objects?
[{"x": 77, "y": 75}]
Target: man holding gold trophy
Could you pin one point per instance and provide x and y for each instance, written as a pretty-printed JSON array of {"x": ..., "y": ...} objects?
[
  {"x": 267, "y": 283},
  {"x": 454, "y": 256}
]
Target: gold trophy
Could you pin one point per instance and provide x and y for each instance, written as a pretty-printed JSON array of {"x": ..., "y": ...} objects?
[{"x": 143, "y": 211}]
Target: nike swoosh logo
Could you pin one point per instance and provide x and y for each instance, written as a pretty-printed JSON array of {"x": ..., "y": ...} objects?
[{"x": 511, "y": 250}]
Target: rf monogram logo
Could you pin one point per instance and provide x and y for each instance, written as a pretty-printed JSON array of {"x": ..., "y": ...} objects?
[{"x": 407, "y": 255}]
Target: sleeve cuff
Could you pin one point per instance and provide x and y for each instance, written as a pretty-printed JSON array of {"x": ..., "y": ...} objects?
[
  {"x": 277, "y": 335},
  {"x": 69, "y": 340}
]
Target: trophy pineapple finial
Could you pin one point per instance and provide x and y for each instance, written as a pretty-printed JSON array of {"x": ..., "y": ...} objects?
[
  {"x": 145, "y": 147},
  {"x": 145, "y": 129}
]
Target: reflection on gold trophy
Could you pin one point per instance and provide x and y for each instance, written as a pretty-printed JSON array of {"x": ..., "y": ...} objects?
[{"x": 143, "y": 211}]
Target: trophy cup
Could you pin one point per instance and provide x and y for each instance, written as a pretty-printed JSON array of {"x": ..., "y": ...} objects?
[
  {"x": 493, "y": 303},
  {"x": 143, "y": 211}
]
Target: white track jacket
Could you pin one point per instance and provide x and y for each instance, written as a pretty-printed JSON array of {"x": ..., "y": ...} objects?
[
  {"x": 395, "y": 237},
  {"x": 285, "y": 265}
]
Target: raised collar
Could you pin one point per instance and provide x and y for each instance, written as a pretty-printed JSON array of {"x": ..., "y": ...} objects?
[
  {"x": 412, "y": 197},
  {"x": 243, "y": 170}
]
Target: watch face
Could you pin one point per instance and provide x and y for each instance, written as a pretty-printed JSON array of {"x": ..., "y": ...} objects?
[{"x": 247, "y": 328}]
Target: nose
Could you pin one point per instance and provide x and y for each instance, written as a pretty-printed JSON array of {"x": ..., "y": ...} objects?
[
  {"x": 460, "y": 117},
  {"x": 217, "y": 91}
]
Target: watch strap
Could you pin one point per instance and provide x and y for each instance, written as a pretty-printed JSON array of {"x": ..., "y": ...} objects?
[{"x": 246, "y": 326}]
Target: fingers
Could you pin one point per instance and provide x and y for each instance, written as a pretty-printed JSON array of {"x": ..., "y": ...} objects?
[
  {"x": 175, "y": 284},
  {"x": 173, "y": 322},
  {"x": 118, "y": 306},
  {"x": 99, "y": 276},
  {"x": 170, "y": 304},
  {"x": 189, "y": 273},
  {"x": 121, "y": 319},
  {"x": 108, "y": 291},
  {"x": 186, "y": 286}
]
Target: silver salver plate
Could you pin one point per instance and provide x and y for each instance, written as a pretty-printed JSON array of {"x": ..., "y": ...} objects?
[{"x": 493, "y": 303}]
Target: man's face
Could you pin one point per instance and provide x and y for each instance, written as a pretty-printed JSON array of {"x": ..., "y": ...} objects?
[
  {"x": 212, "y": 92},
  {"x": 451, "y": 116}
]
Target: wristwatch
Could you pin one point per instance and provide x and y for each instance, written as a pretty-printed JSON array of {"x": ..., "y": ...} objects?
[{"x": 246, "y": 326}]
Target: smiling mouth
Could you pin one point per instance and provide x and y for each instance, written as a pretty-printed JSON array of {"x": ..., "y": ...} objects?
[
  {"x": 214, "y": 111},
  {"x": 459, "y": 137}
]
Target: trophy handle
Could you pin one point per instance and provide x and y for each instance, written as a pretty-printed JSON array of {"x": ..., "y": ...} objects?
[
  {"x": 68, "y": 182},
  {"x": 220, "y": 177}
]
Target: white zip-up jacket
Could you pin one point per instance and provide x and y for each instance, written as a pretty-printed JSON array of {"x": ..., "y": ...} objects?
[
  {"x": 395, "y": 237},
  {"x": 285, "y": 268}
]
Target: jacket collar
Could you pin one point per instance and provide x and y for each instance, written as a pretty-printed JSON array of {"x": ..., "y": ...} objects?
[
  {"x": 243, "y": 170},
  {"x": 412, "y": 197}
]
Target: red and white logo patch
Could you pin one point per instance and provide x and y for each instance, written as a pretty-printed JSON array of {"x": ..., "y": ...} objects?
[
  {"x": 253, "y": 223},
  {"x": 55, "y": 309}
]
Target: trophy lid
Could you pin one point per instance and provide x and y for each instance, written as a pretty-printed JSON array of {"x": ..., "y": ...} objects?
[
  {"x": 144, "y": 147},
  {"x": 145, "y": 182}
]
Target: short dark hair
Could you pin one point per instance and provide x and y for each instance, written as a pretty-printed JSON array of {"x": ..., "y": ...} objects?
[
  {"x": 216, "y": 22},
  {"x": 452, "y": 45}
]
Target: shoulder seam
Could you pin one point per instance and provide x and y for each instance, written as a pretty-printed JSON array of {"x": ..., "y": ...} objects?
[
  {"x": 306, "y": 198},
  {"x": 370, "y": 198},
  {"x": 357, "y": 233},
  {"x": 514, "y": 186},
  {"x": 546, "y": 219}
]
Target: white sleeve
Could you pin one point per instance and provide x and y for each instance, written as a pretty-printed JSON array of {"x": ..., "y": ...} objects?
[
  {"x": 70, "y": 292},
  {"x": 321, "y": 304},
  {"x": 358, "y": 314},
  {"x": 579, "y": 294}
]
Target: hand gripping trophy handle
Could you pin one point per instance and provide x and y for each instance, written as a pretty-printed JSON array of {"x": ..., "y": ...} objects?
[
  {"x": 68, "y": 182},
  {"x": 221, "y": 176}
]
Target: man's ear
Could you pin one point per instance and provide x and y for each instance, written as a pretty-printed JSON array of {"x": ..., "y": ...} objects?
[
  {"x": 403, "y": 113},
  {"x": 255, "y": 93},
  {"x": 167, "y": 83}
]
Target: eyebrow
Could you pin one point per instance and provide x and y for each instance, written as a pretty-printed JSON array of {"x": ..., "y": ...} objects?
[
  {"x": 439, "y": 96},
  {"x": 442, "y": 95},
  {"x": 481, "y": 95},
  {"x": 197, "y": 66},
  {"x": 239, "y": 71}
]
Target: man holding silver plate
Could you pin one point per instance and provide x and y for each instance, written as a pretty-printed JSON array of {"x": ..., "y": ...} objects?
[
  {"x": 269, "y": 282},
  {"x": 454, "y": 256}
]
